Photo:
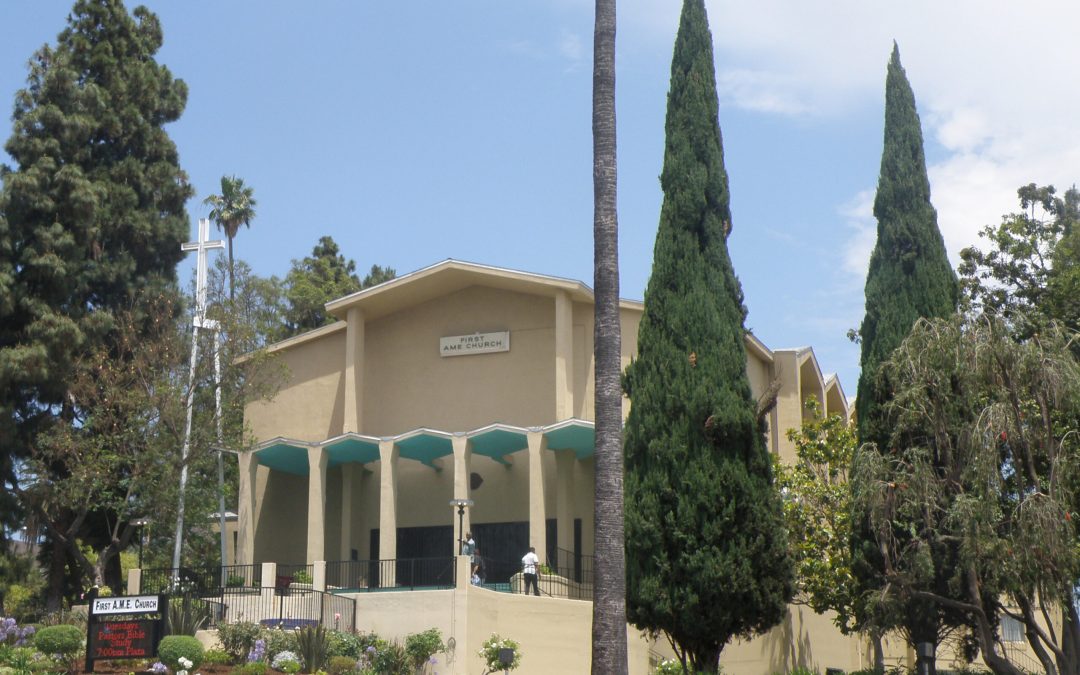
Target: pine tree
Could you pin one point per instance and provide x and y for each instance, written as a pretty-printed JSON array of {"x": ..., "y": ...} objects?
[
  {"x": 94, "y": 209},
  {"x": 909, "y": 276},
  {"x": 707, "y": 556}
]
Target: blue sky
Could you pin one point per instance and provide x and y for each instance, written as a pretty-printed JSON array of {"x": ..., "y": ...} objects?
[{"x": 416, "y": 132}]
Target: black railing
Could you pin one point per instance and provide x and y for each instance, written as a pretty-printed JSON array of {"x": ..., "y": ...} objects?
[
  {"x": 298, "y": 607},
  {"x": 288, "y": 575},
  {"x": 199, "y": 580},
  {"x": 573, "y": 581},
  {"x": 573, "y": 565},
  {"x": 393, "y": 574}
]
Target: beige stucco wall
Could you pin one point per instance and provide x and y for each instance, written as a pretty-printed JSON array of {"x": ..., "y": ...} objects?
[
  {"x": 310, "y": 405},
  {"x": 554, "y": 635}
]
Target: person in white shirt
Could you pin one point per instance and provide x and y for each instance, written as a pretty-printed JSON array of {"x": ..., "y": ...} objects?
[{"x": 529, "y": 565}]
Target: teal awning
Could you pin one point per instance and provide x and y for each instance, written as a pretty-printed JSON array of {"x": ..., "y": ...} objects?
[{"x": 576, "y": 435}]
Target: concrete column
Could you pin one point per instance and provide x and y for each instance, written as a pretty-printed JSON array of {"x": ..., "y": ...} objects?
[
  {"x": 316, "y": 509},
  {"x": 245, "y": 522},
  {"x": 134, "y": 581},
  {"x": 564, "y": 498},
  {"x": 564, "y": 357},
  {"x": 354, "y": 371},
  {"x": 266, "y": 593},
  {"x": 348, "y": 480},
  {"x": 388, "y": 487},
  {"x": 462, "y": 468},
  {"x": 318, "y": 575},
  {"x": 537, "y": 505}
]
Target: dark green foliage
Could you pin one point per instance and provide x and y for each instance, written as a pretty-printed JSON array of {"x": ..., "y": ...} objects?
[
  {"x": 707, "y": 556},
  {"x": 175, "y": 647},
  {"x": 317, "y": 279},
  {"x": 909, "y": 278},
  {"x": 93, "y": 210},
  {"x": 312, "y": 643},
  {"x": 909, "y": 275}
]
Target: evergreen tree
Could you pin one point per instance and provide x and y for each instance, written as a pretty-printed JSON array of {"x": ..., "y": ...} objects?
[
  {"x": 94, "y": 210},
  {"x": 909, "y": 275},
  {"x": 909, "y": 278},
  {"x": 707, "y": 557},
  {"x": 317, "y": 279}
]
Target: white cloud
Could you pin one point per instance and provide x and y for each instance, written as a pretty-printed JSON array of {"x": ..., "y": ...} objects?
[
  {"x": 991, "y": 78},
  {"x": 570, "y": 47},
  {"x": 859, "y": 214}
]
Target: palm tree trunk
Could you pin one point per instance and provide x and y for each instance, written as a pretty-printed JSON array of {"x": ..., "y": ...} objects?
[
  {"x": 609, "y": 653},
  {"x": 231, "y": 280}
]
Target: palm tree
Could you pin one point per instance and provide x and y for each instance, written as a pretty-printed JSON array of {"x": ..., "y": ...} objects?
[
  {"x": 235, "y": 206},
  {"x": 609, "y": 591}
]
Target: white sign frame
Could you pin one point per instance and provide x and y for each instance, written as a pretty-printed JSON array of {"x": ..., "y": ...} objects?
[
  {"x": 125, "y": 604},
  {"x": 477, "y": 343}
]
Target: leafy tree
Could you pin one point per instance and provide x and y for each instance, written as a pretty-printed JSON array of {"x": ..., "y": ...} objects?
[
  {"x": 235, "y": 206},
  {"x": 707, "y": 556},
  {"x": 609, "y": 649},
  {"x": 119, "y": 449},
  {"x": 317, "y": 279},
  {"x": 909, "y": 277},
  {"x": 984, "y": 464},
  {"x": 1032, "y": 267},
  {"x": 817, "y": 510},
  {"x": 93, "y": 212}
]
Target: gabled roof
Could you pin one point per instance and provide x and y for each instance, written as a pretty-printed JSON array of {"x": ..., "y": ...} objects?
[{"x": 453, "y": 275}]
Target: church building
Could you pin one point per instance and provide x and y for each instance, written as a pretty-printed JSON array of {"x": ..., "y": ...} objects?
[{"x": 460, "y": 382}]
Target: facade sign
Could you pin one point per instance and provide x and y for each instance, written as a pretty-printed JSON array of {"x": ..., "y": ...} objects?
[{"x": 477, "y": 343}]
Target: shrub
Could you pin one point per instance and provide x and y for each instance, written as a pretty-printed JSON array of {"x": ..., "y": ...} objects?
[
  {"x": 187, "y": 616},
  {"x": 20, "y": 660},
  {"x": 341, "y": 665},
  {"x": 238, "y": 639},
  {"x": 217, "y": 657},
  {"x": 420, "y": 647},
  {"x": 390, "y": 657},
  {"x": 311, "y": 644},
  {"x": 234, "y": 581},
  {"x": 278, "y": 640},
  {"x": 252, "y": 668},
  {"x": 301, "y": 577},
  {"x": 61, "y": 640},
  {"x": 341, "y": 643},
  {"x": 175, "y": 647},
  {"x": 286, "y": 662},
  {"x": 490, "y": 653}
]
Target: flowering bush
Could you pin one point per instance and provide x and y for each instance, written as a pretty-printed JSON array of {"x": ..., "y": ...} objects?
[
  {"x": 490, "y": 653},
  {"x": 258, "y": 651},
  {"x": 159, "y": 668},
  {"x": 12, "y": 634},
  {"x": 286, "y": 662}
]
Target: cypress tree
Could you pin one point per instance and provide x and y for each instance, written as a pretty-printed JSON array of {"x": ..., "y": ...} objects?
[
  {"x": 909, "y": 278},
  {"x": 909, "y": 275},
  {"x": 707, "y": 555},
  {"x": 94, "y": 209}
]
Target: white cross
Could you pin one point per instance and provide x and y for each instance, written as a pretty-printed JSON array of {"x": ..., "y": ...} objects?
[{"x": 202, "y": 246}]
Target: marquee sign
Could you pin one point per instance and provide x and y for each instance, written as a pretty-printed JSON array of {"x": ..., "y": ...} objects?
[
  {"x": 113, "y": 632},
  {"x": 477, "y": 343}
]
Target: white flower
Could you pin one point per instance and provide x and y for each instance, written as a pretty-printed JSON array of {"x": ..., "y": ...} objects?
[{"x": 185, "y": 662}]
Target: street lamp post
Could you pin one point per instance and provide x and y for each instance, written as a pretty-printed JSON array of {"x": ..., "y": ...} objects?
[
  {"x": 461, "y": 504},
  {"x": 140, "y": 523}
]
